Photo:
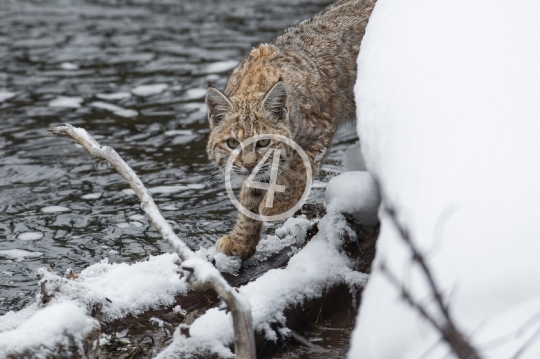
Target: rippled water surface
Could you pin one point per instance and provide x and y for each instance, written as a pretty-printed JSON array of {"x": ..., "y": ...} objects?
[{"x": 133, "y": 73}]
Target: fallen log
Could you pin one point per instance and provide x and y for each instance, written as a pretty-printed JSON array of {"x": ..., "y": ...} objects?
[{"x": 149, "y": 333}]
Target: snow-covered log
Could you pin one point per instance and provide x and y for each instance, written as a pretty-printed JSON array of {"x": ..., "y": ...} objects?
[{"x": 448, "y": 101}]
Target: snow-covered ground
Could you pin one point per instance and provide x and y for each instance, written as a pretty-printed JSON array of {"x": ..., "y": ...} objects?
[{"x": 448, "y": 100}]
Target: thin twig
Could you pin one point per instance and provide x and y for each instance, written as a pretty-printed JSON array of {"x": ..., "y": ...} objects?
[
  {"x": 201, "y": 275},
  {"x": 448, "y": 329}
]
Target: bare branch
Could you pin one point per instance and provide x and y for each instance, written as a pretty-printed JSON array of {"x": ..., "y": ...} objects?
[
  {"x": 448, "y": 329},
  {"x": 201, "y": 274}
]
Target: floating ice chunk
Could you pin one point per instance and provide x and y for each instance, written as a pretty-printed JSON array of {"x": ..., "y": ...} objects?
[
  {"x": 113, "y": 96},
  {"x": 19, "y": 254},
  {"x": 355, "y": 193},
  {"x": 178, "y": 133},
  {"x": 67, "y": 102},
  {"x": 221, "y": 66},
  {"x": 30, "y": 236},
  {"x": 147, "y": 90},
  {"x": 46, "y": 330},
  {"x": 92, "y": 195},
  {"x": 353, "y": 159},
  {"x": 117, "y": 110},
  {"x": 195, "y": 94},
  {"x": 69, "y": 66},
  {"x": 122, "y": 225},
  {"x": 6, "y": 95},
  {"x": 54, "y": 209}
]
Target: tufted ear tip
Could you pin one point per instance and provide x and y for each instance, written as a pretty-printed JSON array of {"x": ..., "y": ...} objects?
[
  {"x": 219, "y": 106},
  {"x": 275, "y": 102}
]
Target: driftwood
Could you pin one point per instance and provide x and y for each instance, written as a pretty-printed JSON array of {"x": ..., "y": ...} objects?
[
  {"x": 201, "y": 275},
  {"x": 338, "y": 299}
]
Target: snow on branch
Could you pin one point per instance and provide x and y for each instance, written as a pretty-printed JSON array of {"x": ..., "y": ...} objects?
[
  {"x": 446, "y": 326},
  {"x": 201, "y": 275}
]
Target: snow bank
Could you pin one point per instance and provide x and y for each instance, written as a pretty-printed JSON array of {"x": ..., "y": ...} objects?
[
  {"x": 448, "y": 106},
  {"x": 355, "y": 193},
  {"x": 318, "y": 266},
  {"x": 60, "y": 325}
]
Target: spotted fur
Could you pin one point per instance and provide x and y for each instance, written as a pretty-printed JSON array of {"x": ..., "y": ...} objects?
[{"x": 299, "y": 86}]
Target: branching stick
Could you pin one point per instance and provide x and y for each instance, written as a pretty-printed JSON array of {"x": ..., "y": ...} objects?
[
  {"x": 447, "y": 327},
  {"x": 201, "y": 275}
]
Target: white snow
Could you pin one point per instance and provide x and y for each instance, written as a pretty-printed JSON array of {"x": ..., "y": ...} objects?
[
  {"x": 447, "y": 102},
  {"x": 19, "y": 254},
  {"x": 54, "y": 209},
  {"x": 69, "y": 66},
  {"x": 354, "y": 193},
  {"x": 30, "y": 236},
  {"x": 318, "y": 266},
  {"x": 117, "y": 110},
  {"x": 120, "y": 288},
  {"x": 147, "y": 90},
  {"x": 47, "y": 329},
  {"x": 220, "y": 66},
  {"x": 113, "y": 96},
  {"x": 67, "y": 102},
  {"x": 6, "y": 95}
]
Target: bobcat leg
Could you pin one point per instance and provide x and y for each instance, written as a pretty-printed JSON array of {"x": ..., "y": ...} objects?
[{"x": 247, "y": 232}]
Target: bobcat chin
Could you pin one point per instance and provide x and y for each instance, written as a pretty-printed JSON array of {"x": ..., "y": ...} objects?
[{"x": 299, "y": 86}]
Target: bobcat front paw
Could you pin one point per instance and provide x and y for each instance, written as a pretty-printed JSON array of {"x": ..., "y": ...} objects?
[{"x": 229, "y": 246}]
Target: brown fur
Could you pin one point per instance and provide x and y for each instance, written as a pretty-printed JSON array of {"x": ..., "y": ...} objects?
[{"x": 299, "y": 86}]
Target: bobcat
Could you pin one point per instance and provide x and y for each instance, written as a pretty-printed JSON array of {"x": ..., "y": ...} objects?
[{"x": 299, "y": 86}]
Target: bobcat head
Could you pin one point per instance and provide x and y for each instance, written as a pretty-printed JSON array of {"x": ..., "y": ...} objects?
[{"x": 237, "y": 119}]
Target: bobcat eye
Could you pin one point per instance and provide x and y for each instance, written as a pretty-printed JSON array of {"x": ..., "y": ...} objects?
[
  {"x": 232, "y": 143},
  {"x": 263, "y": 143}
]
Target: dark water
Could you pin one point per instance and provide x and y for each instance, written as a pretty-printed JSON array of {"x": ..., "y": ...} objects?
[{"x": 84, "y": 48}]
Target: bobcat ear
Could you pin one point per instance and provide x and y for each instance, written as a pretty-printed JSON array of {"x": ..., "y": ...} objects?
[
  {"x": 219, "y": 106},
  {"x": 275, "y": 102}
]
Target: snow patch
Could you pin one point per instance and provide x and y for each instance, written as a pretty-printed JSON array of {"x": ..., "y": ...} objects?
[
  {"x": 47, "y": 329},
  {"x": 355, "y": 193}
]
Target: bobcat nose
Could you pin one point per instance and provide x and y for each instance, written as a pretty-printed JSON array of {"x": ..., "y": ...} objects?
[{"x": 249, "y": 166}]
